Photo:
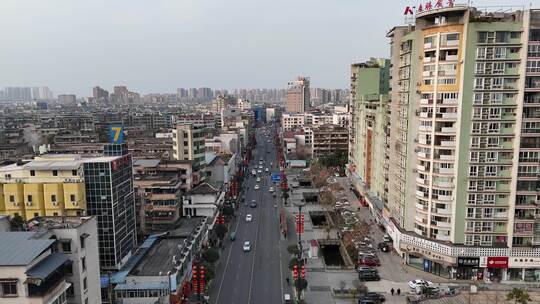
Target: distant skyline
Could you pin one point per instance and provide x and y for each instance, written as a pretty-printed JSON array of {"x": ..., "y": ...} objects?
[{"x": 158, "y": 46}]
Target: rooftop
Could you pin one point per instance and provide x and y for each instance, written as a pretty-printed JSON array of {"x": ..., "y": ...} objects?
[
  {"x": 21, "y": 248},
  {"x": 159, "y": 259},
  {"x": 56, "y": 222}
]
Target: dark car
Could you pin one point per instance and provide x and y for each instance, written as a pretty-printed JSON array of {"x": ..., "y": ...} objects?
[
  {"x": 367, "y": 276},
  {"x": 366, "y": 269},
  {"x": 374, "y": 296},
  {"x": 253, "y": 205},
  {"x": 368, "y": 301},
  {"x": 384, "y": 247}
]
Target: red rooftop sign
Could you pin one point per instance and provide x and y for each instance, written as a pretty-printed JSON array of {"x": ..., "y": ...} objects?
[{"x": 428, "y": 6}]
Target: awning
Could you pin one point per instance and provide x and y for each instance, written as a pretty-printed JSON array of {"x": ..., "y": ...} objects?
[{"x": 47, "y": 266}]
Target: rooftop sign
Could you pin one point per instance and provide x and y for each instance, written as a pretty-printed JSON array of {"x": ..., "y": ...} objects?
[{"x": 428, "y": 6}]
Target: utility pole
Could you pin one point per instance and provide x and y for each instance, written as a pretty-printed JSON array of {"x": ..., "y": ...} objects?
[{"x": 299, "y": 257}]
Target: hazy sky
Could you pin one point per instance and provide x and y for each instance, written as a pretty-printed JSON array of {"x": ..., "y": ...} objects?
[{"x": 159, "y": 45}]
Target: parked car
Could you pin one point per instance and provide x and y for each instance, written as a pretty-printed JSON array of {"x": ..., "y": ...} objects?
[
  {"x": 419, "y": 282},
  {"x": 257, "y": 187},
  {"x": 366, "y": 269},
  {"x": 387, "y": 238},
  {"x": 369, "y": 262},
  {"x": 374, "y": 296},
  {"x": 253, "y": 204},
  {"x": 249, "y": 217},
  {"x": 368, "y": 276},
  {"x": 384, "y": 247}
]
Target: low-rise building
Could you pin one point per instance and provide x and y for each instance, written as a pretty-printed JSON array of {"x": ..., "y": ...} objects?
[
  {"x": 328, "y": 139},
  {"x": 203, "y": 200}
]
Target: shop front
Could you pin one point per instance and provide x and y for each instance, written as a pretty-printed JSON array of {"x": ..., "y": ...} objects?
[
  {"x": 523, "y": 269},
  {"x": 496, "y": 268},
  {"x": 468, "y": 268},
  {"x": 428, "y": 261}
]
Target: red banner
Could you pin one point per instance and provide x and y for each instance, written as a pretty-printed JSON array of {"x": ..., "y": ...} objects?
[{"x": 497, "y": 262}]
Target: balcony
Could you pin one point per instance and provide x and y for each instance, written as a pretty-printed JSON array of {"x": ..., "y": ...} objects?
[
  {"x": 451, "y": 58},
  {"x": 448, "y": 143},
  {"x": 443, "y": 184},
  {"x": 420, "y": 168},
  {"x": 449, "y": 115},
  {"x": 450, "y": 101},
  {"x": 425, "y": 115},
  {"x": 444, "y": 198},
  {"x": 424, "y": 129},
  {"x": 450, "y": 130},
  {"x": 446, "y": 170},
  {"x": 441, "y": 211},
  {"x": 420, "y": 219},
  {"x": 423, "y": 155},
  {"x": 421, "y": 194},
  {"x": 421, "y": 207},
  {"x": 418, "y": 231},
  {"x": 441, "y": 224},
  {"x": 448, "y": 157},
  {"x": 429, "y": 59},
  {"x": 500, "y": 215},
  {"x": 425, "y": 101},
  {"x": 421, "y": 181},
  {"x": 428, "y": 45}
]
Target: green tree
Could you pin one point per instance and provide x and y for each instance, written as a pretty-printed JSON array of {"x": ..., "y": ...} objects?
[
  {"x": 17, "y": 223},
  {"x": 209, "y": 271},
  {"x": 221, "y": 230},
  {"x": 293, "y": 249},
  {"x": 210, "y": 255},
  {"x": 295, "y": 261},
  {"x": 228, "y": 210},
  {"x": 519, "y": 296},
  {"x": 301, "y": 283}
]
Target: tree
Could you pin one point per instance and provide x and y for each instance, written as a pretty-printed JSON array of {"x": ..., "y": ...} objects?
[
  {"x": 300, "y": 283},
  {"x": 210, "y": 255},
  {"x": 17, "y": 223},
  {"x": 285, "y": 196},
  {"x": 228, "y": 210},
  {"x": 295, "y": 261},
  {"x": 209, "y": 271},
  {"x": 293, "y": 249},
  {"x": 336, "y": 159},
  {"x": 221, "y": 230},
  {"x": 519, "y": 296}
]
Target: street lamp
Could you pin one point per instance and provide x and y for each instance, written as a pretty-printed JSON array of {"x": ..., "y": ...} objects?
[{"x": 299, "y": 204}]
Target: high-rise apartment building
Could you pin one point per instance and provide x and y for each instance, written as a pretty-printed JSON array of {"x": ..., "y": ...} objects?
[
  {"x": 370, "y": 125},
  {"x": 464, "y": 144},
  {"x": 67, "y": 99},
  {"x": 99, "y": 93},
  {"x": 298, "y": 95},
  {"x": 188, "y": 144},
  {"x": 110, "y": 197}
]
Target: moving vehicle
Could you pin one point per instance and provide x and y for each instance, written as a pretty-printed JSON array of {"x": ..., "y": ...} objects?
[
  {"x": 271, "y": 189},
  {"x": 287, "y": 298},
  {"x": 266, "y": 169},
  {"x": 257, "y": 187},
  {"x": 232, "y": 236},
  {"x": 246, "y": 246},
  {"x": 419, "y": 282},
  {"x": 254, "y": 172},
  {"x": 249, "y": 217},
  {"x": 260, "y": 171},
  {"x": 368, "y": 276},
  {"x": 253, "y": 204},
  {"x": 258, "y": 179}
]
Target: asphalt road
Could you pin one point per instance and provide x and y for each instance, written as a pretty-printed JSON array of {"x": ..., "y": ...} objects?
[{"x": 257, "y": 276}]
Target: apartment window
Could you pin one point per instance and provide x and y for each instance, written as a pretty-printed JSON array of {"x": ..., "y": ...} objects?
[
  {"x": 9, "y": 289},
  {"x": 82, "y": 239},
  {"x": 83, "y": 262},
  {"x": 472, "y": 185},
  {"x": 476, "y": 127},
  {"x": 53, "y": 198},
  {"x": 533, "y": 51},
  {"x": 490, "y": 171},
  {"x": 481, "y": 53},
  {"x": 496, "y": 98},
  {"x": 479, "y": 83},
  {"x": 66, "y": 245},
  {"x": 32, "y": 173},
  {"x": 478, "y": 98},
  {"x": 12, "y": 198},
  {"x": 489, "y": 185},
  {"x": 36, "y": 214},
  {"x": 496, "y": 83},
  {"x": 72, "y": 197},
  {"x": 473, "y": 156},
  {"x": 85, "y": 284},
  {"x": 447, "y": 81},
  {"x": 498, "y": 67},
  {"x": 494, "y": 127},
  {"x": 500, "y": 52},
  {"x": 480, "y": 67},
  {"x": 74, "y": 172},
  {"x": 515, "y": 35},
  {"x": 473, "y": 171},
  {"x": 55, "y": 173},
  {"x": 29, "y": 198},
  {"x": 501, "y": 37}
]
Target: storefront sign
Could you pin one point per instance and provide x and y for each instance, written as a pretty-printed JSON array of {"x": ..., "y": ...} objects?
[
  {"x": 428, "y": 6},
  {"x": 468, "y": 262},
  {"x": 524, "y": 262},
  {"x": 497, "y": 262}
]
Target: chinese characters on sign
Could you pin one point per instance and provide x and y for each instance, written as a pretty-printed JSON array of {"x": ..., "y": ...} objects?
[{"x": 428, "y": 6}]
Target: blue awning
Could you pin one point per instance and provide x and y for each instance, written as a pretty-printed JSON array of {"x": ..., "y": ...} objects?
[{"x": 47, "y": 266}]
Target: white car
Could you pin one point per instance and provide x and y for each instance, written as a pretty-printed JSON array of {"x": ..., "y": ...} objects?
[
  {"x": 257, "y": 187},
  {"x": 260, "y": 166},
  {"x": 247, "y": 246},
  {"x": 260, "y": 171},
  {"x": 266, "y": 170},
  {"x": 258, "y": 179},
  {"x": 254, "y": 172},
  {"x": 419, "y": 283},
  {"x": 271, "y": 189},
  {"x": 249, "y": 218}
]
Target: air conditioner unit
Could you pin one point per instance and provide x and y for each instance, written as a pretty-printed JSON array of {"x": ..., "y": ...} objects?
[
  {"x": 28, "y": 203},
  {"x": 75, "y": 203},
  {"x": 55, "y": 203}
]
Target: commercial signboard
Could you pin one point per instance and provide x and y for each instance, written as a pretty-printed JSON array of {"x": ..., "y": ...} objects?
[
  {"x": 468, "y": 262},
  {"x": 497, "y": 262}
]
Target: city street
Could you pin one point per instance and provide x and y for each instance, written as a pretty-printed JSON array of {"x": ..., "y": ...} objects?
[{"x": 257, "y": 276}]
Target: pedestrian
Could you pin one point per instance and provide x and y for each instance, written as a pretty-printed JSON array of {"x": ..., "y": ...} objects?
[
  {"x": 392, "y": 291},
  {"x": 398, "y": 291}
]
